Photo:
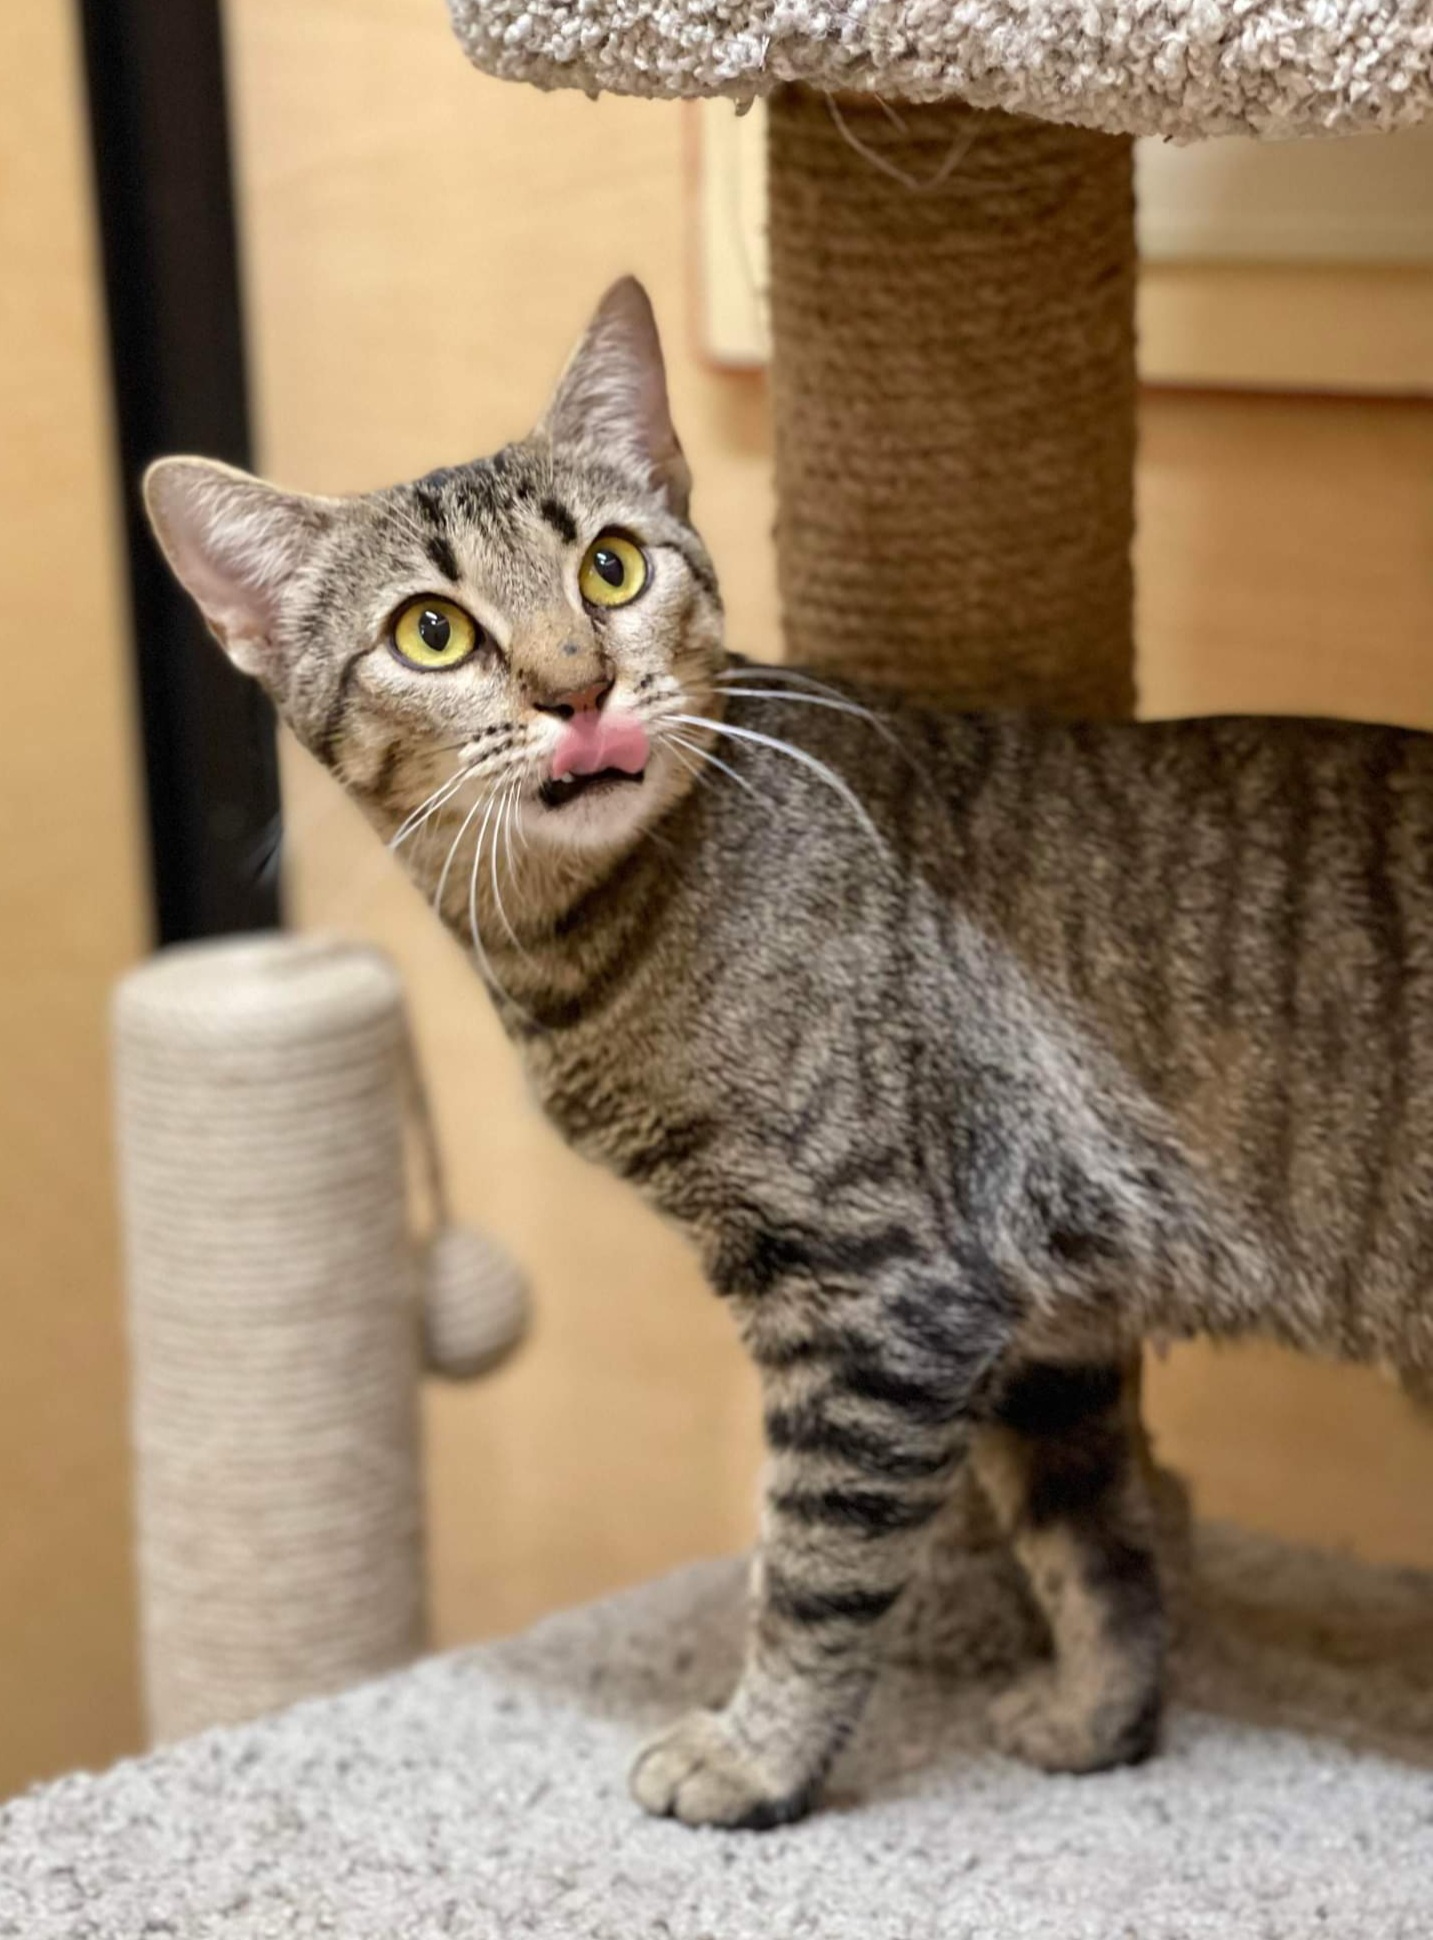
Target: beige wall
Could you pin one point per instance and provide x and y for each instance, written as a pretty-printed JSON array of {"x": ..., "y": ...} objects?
[
  {"x": 1290, "y": 326},
  {"x": 71, "y": 915}
]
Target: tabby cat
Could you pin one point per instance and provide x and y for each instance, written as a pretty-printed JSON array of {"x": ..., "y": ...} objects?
[{"x": 968, "y": 1050}]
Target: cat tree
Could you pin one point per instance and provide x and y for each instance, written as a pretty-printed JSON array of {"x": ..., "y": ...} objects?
[
  {"x": 952, "y": 250},
  {"x": 953, "y": 382}
]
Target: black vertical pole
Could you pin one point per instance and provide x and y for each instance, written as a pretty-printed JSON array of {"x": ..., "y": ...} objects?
[{"x": 164, "y": 194}]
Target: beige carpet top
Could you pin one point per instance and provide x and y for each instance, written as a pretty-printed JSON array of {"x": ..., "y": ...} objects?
[{"x": 1183, "y": 68}]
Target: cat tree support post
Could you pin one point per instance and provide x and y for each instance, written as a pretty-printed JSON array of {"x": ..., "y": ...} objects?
[
  {"x": 953, "y": 385},
  {"x": 952, "y": 308}
]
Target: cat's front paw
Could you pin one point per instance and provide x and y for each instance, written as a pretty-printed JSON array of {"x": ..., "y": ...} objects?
[{"x": 697, "y": 1772}]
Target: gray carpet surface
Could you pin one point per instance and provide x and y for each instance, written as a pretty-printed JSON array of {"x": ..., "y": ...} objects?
[{"x": 484, "y": 1794}]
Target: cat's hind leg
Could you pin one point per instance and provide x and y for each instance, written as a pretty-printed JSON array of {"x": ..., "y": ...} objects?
[{"x": 1063, "y": 1464}]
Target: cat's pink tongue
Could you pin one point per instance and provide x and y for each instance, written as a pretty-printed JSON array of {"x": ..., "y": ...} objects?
[{"x": 590, "y": 742}]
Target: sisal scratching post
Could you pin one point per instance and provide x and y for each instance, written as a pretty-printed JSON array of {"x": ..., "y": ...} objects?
[
  {"x": 953, "y": 385},
  {"x": 273, "y": 1288},
  {"x": 952, "y": 305}
]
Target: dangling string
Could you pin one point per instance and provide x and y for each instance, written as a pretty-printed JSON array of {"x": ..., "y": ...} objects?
[
  {"x": 425, "y": 1131},
  {"x": 473, "y": 1297},
  {"x": 959, "y": 149}
]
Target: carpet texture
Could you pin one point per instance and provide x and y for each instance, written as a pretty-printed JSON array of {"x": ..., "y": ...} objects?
[
  {"x": 484, "y": 1794},
  {"x": 1183, "y": 68}
]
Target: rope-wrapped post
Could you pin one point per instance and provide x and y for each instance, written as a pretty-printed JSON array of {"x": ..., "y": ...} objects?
[
  {"x": 952, "y": 309},
  {"x": 953, "y": 384},
  {"x": 273, "y": 1322}
]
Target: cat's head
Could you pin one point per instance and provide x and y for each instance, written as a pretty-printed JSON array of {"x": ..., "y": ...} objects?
[{"x": 527, "y": 626}]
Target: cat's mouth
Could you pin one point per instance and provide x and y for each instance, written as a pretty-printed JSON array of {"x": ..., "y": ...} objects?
[{"x": 558, "y": 793}]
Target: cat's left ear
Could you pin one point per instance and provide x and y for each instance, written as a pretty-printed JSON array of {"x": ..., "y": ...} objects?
[
  {"x": 612, "y": 397},
  {"x": 234, "y": 544}
]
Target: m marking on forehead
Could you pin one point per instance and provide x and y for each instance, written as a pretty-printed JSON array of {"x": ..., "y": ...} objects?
[
  {"x": 560, "y": 519},
  {"x": 436, "y": 543},
  {"x": 440, "y": 551}
]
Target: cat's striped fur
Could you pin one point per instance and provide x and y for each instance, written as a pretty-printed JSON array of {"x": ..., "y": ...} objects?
[{"x": 1072, "y": 1035}]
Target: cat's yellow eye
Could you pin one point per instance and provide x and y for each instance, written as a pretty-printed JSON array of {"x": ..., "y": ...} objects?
[
  {"x": 433, "y": 634},
  {"x": 613, "y": 571}
]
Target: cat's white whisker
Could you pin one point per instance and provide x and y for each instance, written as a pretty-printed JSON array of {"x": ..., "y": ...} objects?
[
  {"x": 440, "y": 796},
  {"x": 677, "y": 742},
  {"x": 692, "y": 767},
  {"x": 799, "y": 755},
  {"x": 484, "y": 962},
  {"x": 447, "y": 868},
  {"x": 519, "y": 825},
  {"x": 808, "y": 700},
  {"x": 705, "y": 754},
  {"x": 474, "y": 927},
  {"x": 421, "y": 855},
  {"x": 501, "y": 836},
  {"x": 823, "y": 697},
  {"x": 765, "y": 670}
]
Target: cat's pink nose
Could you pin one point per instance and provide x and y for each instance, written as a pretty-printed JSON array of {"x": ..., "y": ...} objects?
[
  {"x": 577, "y": 700},
  {"x": 592, "y": 741}
]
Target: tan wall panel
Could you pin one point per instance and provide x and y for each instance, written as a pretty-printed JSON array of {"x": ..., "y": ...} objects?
[
  {"x": 1299, "y": 327},
  {"x": 1286, "y": 566},
  {"x": 1285, "y": 556},
  {"x": 71, "y": 915},
  {"x": 422, "y": 245}
]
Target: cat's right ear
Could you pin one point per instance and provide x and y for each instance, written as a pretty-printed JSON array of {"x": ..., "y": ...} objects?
[{"x": 234, "y": 544}]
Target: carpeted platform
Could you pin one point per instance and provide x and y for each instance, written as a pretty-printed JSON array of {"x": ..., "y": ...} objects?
[
  {"x": 484, "y": 1794},
  {"x": 1182, "y": 68}
]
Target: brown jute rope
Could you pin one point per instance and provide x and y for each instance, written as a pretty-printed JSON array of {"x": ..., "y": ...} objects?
[
  {"x": 274, "y": 1344},
  {"x": 953, "y": 379}
]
